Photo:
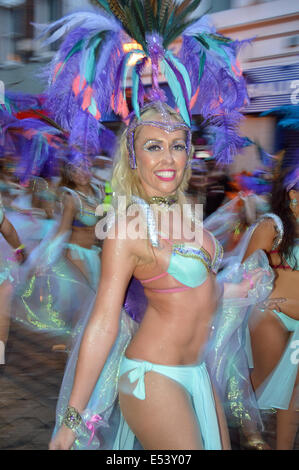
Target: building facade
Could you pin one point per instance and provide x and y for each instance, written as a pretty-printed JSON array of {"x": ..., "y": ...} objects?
[
  {"x": 271, "y": 67},
  {"x": 270, "y": 63}
]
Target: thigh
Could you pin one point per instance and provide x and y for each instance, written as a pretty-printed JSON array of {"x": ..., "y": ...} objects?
[
  {"x": 269, "y": 338},
  {"x": 5, "y": 303},
  {"x": 165, "y": 419},
  {"x": 6, "y": 289},
  {"x": 78, "y": 265},
  {"x": 224, "y": 432}
]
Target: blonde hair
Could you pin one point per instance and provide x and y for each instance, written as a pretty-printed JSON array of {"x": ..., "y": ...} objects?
[{"x": 125, "y": 180}]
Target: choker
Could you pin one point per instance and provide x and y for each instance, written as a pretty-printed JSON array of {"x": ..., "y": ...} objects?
[{"x": 164, "y": 200}]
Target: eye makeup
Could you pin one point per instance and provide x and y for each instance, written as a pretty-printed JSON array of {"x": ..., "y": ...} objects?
[{"x": 157, "y": 145}]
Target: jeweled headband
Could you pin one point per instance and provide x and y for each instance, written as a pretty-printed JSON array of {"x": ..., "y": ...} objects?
[{"x": 166, "y": 124}]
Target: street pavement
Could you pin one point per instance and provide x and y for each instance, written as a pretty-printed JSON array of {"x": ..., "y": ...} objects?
[{"x": 29, "y": 388}]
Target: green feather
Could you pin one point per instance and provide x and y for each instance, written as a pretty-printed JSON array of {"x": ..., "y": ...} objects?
[
  {"x": 200, "y": 38},
  {"x": 182, "y": 69},
  {"x": 176, "y": 91},
  {"x": 221, "y": 38},
  {"x": 215, "y": 46},
  {"x": 90, "y": 66},
  {"x": 189, "y": 9},
  {"x": 77, "y": 47},
  {"x": 201, "y": 65},
  {"x": 102, "y": 3},
  {"x": 135, "y": 86},
  {"x": 149, "y": 17},
  {"x": 135, "y": 28}
]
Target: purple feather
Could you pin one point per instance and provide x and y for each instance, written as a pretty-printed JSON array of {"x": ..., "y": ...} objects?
[
  {"x": 182, "y": 84},
  {"x": 227, "y": 142}
]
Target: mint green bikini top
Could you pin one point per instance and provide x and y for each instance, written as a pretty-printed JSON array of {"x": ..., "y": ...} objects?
[
  {"x": 292, "y": 261},
  {"x": 190, "y": 265},
  {"x": 85, "y": 217}
]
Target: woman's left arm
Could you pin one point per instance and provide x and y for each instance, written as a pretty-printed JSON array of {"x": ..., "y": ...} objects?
[{"x": 10, "y": 234}]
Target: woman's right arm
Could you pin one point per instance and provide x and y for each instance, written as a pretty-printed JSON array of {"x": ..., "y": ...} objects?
[
  {"x": 68, "y": 214},
  {"x": 118, "y": 263}
]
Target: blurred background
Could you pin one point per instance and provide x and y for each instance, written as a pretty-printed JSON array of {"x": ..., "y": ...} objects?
[{"x": 269, "y": 63}]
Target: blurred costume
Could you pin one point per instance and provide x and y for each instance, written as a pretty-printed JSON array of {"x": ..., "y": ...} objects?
[
  {"x": 5, "y": 265},
  {"x": 85, "y": 217},
  {"x": 50, "y": 294},
  {"x": 9, "y": 274},
  {"x": 271, "y": 394}
]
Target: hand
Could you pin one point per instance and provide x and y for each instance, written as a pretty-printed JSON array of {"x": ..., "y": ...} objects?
[
  {"x": 241, "y": 289},
  {"x": 63, "y": 439},
  {"x": 20, "y": 256},
  {"x": 272, "y": 304}
]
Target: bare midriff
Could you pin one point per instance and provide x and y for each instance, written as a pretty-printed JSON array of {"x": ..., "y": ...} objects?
[
  {"x": 83, "y": 236},
  {"x": 176, "y": 325}
]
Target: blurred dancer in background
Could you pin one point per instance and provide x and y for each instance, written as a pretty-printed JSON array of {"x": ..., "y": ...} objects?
[
  {"x": 80, "y": 198},
  {"x": 7, "y": 276},
  {"x": 65, "y": 266},
  {"x": 275, "y": 332}
]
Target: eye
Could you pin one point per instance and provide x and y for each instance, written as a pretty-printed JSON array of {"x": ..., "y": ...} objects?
[
  {"x": 180, "y": 147},
  {"x": 153, "y": 148}
]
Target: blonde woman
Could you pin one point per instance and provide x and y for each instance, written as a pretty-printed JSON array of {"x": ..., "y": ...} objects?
[{"x": 157, "y": 370}]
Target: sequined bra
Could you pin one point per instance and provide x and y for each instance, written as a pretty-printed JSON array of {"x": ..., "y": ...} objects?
[
  {"x": 85, "y": 217},
  {"x": 189, "y": 265},
  {"x": 290, "y": 262}
]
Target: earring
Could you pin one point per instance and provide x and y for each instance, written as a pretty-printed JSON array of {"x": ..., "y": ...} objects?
[{"x": 294, "y": 202}]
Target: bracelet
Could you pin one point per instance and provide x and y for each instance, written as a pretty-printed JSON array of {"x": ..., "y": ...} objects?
[
  {"x": 19, "y": 249},
  {"x": 72, "y": 418}
]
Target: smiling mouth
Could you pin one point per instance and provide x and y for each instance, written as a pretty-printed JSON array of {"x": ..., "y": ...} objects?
[{"x": 166, "y": 175}]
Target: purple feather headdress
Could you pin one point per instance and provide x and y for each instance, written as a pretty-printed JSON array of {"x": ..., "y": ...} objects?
[
  {"x": 292, "y": 180},
  {"x": 101, "y": 48},
  {"x": 35, "y": 143}
]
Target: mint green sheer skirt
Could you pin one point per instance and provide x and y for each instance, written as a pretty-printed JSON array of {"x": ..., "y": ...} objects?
[{"x": 194, "y": 379}]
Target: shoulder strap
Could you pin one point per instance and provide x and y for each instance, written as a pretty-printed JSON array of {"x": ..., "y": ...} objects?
[
  {"x": 74, "y": 195},
  {"x": 39, "y": 184},
  {"x": 278, "y": 227},
  {"x": 218, "y": 254}
]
